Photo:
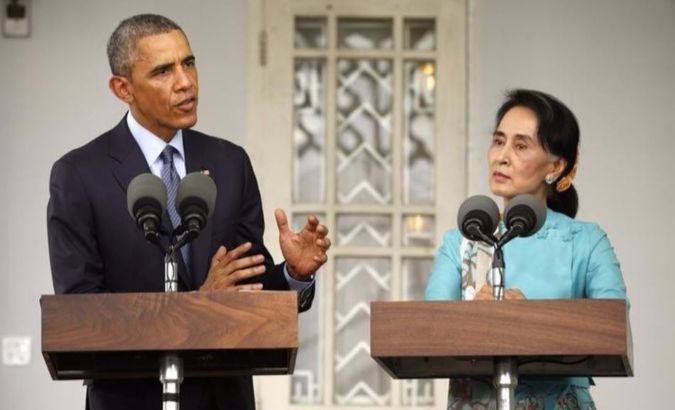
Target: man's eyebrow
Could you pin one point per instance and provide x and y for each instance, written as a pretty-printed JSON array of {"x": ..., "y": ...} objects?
[
  {"x": 189, "y": 59},
  {"x": 161, "y": 67}
]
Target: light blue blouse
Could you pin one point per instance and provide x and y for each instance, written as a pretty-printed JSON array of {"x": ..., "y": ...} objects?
[{"x": 565, "y": 259}]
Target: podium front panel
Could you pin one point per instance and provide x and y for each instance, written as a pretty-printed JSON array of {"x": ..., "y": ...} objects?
[
  {"x": 123, "y": 335},
  {"x": 571, "y": 337}
]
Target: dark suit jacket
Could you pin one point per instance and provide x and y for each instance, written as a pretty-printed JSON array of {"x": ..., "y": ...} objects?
[{"x": 95, "y": 246}]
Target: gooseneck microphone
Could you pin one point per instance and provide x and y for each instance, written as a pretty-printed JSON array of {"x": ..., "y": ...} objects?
[
  {"x": 477, "y": 219},
  {"x": 195, "y": 200},
  {"x": 523, "y": 217},
  {"x": 146, "y": 202}
]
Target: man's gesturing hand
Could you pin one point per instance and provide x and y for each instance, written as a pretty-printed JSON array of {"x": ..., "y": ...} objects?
[{"x": 304, "y": 251}]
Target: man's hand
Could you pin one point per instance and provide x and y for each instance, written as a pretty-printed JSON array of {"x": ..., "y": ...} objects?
[
  {"x": 485, "y": 293},
  {"x": 228, "y": 268},
  {"x": 304, "y": 251}
]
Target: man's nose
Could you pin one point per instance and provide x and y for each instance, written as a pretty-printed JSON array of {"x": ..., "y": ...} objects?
[{"x": 183, "y": 79}]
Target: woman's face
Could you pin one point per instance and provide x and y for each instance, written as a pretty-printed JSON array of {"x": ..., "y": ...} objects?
[{"x": 517, "y": 161}]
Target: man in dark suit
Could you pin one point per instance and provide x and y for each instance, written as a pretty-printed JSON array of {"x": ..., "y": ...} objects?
[{"x": 95, "y": 246}]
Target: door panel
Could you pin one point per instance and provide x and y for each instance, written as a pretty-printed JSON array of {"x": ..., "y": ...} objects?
[{"x": 356, "y": 112}]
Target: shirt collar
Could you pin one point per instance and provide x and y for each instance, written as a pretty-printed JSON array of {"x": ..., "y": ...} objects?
[{"x": 150, "y": 144}]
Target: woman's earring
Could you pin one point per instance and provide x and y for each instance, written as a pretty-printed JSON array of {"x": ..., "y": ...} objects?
[{"x": 549, "y": 179}]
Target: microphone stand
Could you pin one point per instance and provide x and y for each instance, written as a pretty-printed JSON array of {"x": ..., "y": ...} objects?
[
  {"x": 506, "y": 369},
  {"x": 146, "y": 208},
  {"x": 497, "y": 272},
  {"x": 171, "y": 364},
  {"x": 527, "y": 211}
]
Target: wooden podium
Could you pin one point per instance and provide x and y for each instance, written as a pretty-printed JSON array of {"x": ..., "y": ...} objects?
[
  {"x": 572, "y": 337},
  {"x": 124, "y": 335}
]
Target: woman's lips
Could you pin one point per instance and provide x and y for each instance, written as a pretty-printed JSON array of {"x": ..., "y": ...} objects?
[{"x": 498, "y": 176}]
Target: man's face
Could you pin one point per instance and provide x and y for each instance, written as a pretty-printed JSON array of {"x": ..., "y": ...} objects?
[{"x": 163, "y": 85}]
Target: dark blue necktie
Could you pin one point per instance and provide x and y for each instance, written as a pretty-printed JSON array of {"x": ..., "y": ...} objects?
[{"x": 172, "y": 180}]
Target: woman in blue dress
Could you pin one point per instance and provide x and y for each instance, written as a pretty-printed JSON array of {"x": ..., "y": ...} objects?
[{"x": 534, "y": 150}]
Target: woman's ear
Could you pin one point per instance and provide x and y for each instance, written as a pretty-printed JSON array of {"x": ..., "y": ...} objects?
[
  {"x": 560, "y": 163},
  {"x": 558, "y": 166},
  {"x": 122, "y": 88}
]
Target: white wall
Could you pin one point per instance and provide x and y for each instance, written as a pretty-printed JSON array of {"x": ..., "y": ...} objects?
[
  {"x": 53, "y": 98},
  {"x": 611, "y": 61}
]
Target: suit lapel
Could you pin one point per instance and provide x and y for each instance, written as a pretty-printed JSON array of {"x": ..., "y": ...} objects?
[
  {"x": 196, "y": 161},
  {"x": 125, "y": 150}
]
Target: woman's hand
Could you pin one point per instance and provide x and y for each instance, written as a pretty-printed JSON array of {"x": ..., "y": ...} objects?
[{"x": 485, "y": 293}]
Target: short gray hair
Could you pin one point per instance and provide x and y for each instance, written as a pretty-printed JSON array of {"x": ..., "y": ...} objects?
[{"x": 122, "y": 43}]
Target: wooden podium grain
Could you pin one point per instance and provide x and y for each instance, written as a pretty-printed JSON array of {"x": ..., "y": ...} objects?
[
  {"x": 123, "y": 335},
  {"x": 571, "y": 337}
]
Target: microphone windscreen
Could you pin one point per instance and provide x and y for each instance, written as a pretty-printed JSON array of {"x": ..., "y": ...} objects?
[
  {"x": 146, "y": 189},
  {"x": 196, "y": 189},
  {"x": 527, "y": 209},
  {"x": 480, "y": 210}
]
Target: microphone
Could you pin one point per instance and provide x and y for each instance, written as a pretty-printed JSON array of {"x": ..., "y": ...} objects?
[
  {"x": 195, "y": 200},
  {"x": 477, "y": 219},
  {"x": 146, "y": 202},
  {"x": 523, "y": 216}
]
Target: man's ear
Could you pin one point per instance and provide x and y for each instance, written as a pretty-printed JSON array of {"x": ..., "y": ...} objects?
[{"x": 122, "y": 88}]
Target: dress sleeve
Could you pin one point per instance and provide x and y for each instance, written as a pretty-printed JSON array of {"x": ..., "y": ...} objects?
[
  {"x": 445, "y": 278},
  {"x": 603, "y": 274}
]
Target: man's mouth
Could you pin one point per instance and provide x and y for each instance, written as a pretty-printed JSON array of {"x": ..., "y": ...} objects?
[{"x": 187, "y": 104}]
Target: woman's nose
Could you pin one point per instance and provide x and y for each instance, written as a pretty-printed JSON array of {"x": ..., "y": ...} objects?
[{"x": 504, "y": 155}]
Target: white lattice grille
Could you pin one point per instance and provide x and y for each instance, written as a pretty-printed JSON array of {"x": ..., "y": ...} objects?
[
  {"x": 359, "y": 33},
  {"x": 364, "y": 147},
  {"x": 418, "y": 230},
  {"x": 309, "y": 32},
  {"x": 358, "y": 281},
  {"x": 364, "y": 103},
  {"x": 366, "y": 155},
  {"x": 364, "y": 230},
  {"x": 306, "y": 382},
  {"x": 309, "y": 132},
  {"x": 419, "y": 132}
]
